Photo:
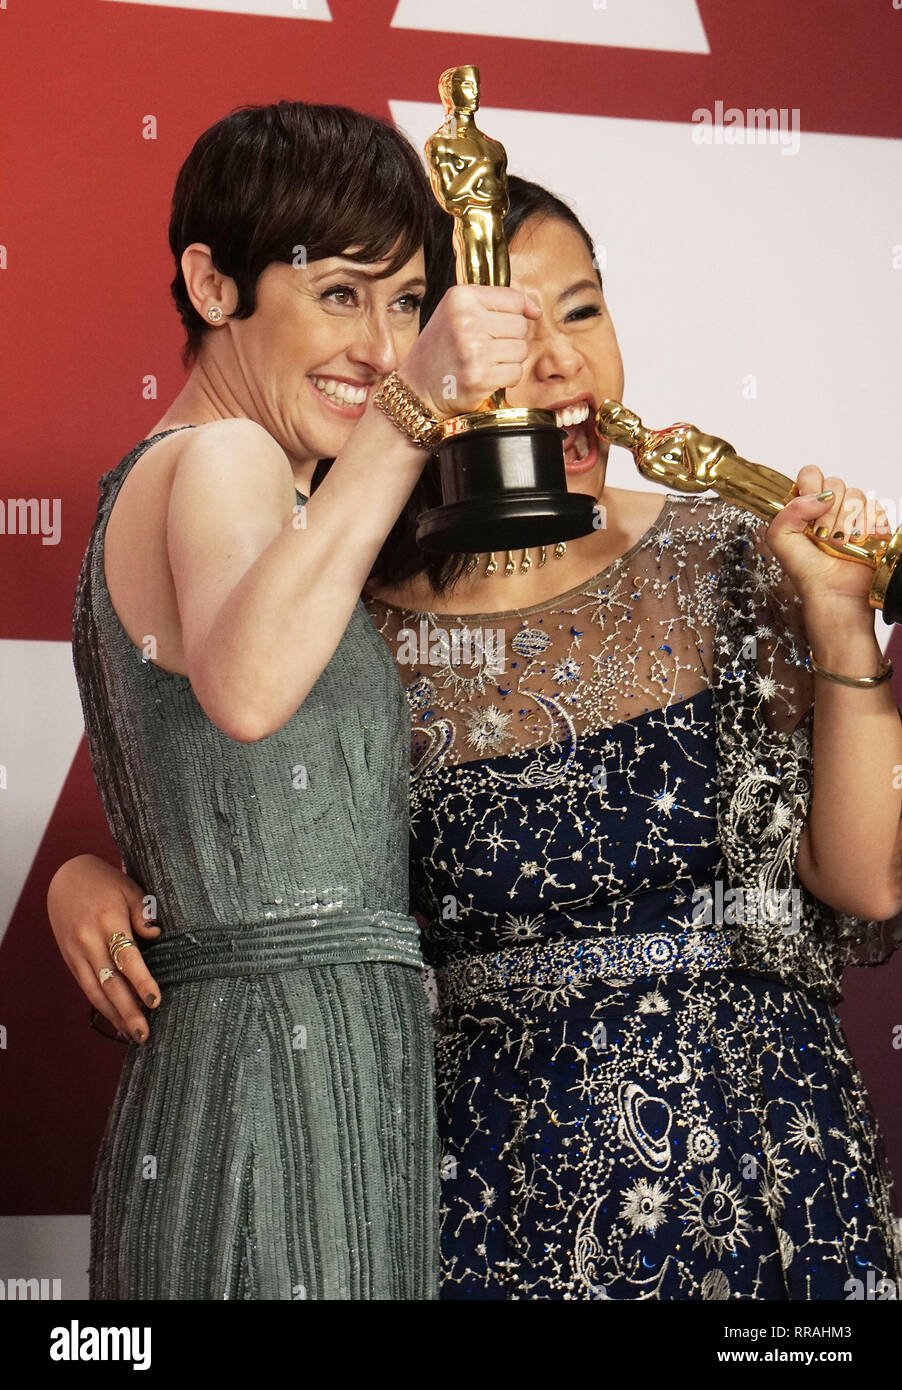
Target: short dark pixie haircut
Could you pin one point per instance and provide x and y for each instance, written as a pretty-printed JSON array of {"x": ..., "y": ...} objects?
[
  {"x": 266, "y": 180},
  {"x": 400, "y": 557}
]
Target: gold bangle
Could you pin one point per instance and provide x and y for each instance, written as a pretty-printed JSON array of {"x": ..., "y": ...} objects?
[
  {"x": 862, "y": 682},
  {"x": 407, "y": 412}
]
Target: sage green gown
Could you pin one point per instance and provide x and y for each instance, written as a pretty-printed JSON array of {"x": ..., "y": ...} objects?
[{"x": 274, "y": 1138}]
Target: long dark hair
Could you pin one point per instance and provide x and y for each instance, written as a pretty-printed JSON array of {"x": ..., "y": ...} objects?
[{"x": 400, "y": 557}]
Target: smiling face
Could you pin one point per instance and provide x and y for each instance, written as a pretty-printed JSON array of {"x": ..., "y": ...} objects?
[
  {"x": 574, "y": 361},
  {"x": 320, "y": 340}
]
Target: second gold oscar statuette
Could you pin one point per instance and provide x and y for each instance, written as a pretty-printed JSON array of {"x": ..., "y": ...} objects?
[{"x": 686, "y": 460}]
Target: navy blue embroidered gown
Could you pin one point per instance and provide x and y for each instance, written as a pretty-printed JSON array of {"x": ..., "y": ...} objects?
[{"x": 623, "y": 1114}]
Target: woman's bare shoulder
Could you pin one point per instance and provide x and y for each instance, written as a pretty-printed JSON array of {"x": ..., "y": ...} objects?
[
  {"x": 227, "y": 452},
  {"x": 235, "y": 455},
  {"x": 176, "y": 437}
]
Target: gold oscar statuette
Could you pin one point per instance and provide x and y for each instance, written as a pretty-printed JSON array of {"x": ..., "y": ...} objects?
[
  {"x": 504, "y": 484},
  {"x": 686, "y": 460}
]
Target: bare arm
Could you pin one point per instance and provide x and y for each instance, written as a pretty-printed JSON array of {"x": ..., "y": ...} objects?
[
  {"x": 263, "y": 602},
  {"x": 850, "y": 855},
  {"x": 850, "y": 852}
]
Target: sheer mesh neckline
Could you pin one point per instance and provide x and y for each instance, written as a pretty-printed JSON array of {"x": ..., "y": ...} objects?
[
  {"x": 553, "y": 599},
  {"x": 629, "y": 639}
]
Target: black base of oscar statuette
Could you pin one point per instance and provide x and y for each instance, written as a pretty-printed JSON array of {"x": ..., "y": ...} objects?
[
  {"x": 886, "y": 590},
  {"x": 504, "y": 486},
  {"x": 892, "y": 603}
]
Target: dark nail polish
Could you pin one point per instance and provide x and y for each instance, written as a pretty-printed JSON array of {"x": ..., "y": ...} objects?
[
  {"x": 150, "y": 999},
  {"x": 139, "y": 1036}
]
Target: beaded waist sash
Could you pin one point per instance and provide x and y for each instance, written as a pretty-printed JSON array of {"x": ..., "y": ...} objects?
[
  {"x": 617, "y": 960},
  {"x": 215, "y": 952}
]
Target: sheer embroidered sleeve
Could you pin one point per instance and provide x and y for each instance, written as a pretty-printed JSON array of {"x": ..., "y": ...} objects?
[{"x": 765, "y": 716}]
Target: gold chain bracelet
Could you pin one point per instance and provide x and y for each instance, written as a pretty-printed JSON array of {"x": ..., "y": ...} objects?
[{"x": 407, "y": 412}]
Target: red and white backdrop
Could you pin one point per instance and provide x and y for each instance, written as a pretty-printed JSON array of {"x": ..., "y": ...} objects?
[{"x": 756, "y": 288}]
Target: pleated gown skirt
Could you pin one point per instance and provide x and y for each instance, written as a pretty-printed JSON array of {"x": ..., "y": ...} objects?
[{"x": 274, "y": 1139}]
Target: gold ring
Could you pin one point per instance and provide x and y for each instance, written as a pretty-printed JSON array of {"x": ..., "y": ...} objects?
[
  {"x": 106, "y": 974},
  {"x": 117, "y": 943}
]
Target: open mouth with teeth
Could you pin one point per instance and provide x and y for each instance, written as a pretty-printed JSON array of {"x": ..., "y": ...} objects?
[
  {"x": 344, "y": 396},
  {"x": 580, "y": 443}
]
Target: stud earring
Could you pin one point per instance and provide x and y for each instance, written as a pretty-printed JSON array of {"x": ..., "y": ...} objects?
[{"x": 214, "y": 314}]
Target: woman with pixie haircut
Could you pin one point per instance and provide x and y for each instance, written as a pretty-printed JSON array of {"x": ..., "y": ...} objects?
[{"x": 273, "y": 1135}]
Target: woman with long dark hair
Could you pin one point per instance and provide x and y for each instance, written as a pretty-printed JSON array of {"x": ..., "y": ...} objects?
[{"x": 644, "y": 807}]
